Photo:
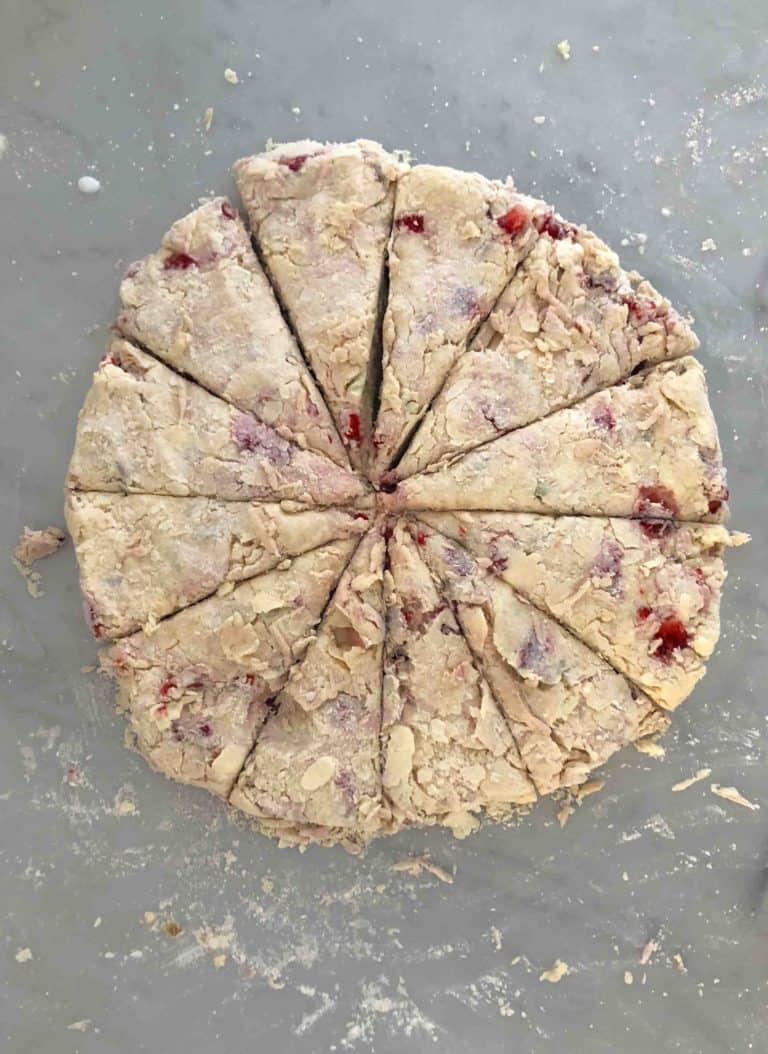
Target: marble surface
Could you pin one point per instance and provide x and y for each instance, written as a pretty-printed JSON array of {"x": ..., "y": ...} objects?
[{"x": 658, "y": 140}]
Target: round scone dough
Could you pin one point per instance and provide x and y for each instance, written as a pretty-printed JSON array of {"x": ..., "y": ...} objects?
[{"x": 401, "y": 504}]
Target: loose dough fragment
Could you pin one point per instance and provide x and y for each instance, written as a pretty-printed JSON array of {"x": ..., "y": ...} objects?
[
  {"x": 659, "y": 456},
  {"x": 570, "y": 322},
  {"x": 36, "y": 545},
  {"x": 567, "y": 709},
  {"x": 145, "y": 429},
  {"x": 731, "y": 794},
  {"x": 448, "y": 752},
  {"x": 456, "y": 241},
  {"x": 314, "y": 771},
  {"x": 321, "y": 216},
  {"x": 622, "y": 586},
  {"x": 197, "y": 689},
  {"x": 142, "y": 557},
  {"x": 203, "y": 305}
]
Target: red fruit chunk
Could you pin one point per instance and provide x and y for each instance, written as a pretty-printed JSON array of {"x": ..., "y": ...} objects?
[
  {"x": 715, "y": 504},
  {"x": 249, "y": 678},
  {"x": 388, "y": 486},
  {"x": 656, "y": 528},
  {"x": 605, "y": 280},
  {"x": 603, "y": 417},
  {"x": 671, "y": 635},
  {"x": 205, "y": 730},
  {"x": 412, "y": 221},
  {"x": 360, "y": 516},
  {"x": 655, "y": 500},
  {"x": 641, "y": 309},
  {"x": 228, "y": 211},
  {"x": 294, "y": 163},
  {"x": 179, "y": 262},
  {"x": 514, "y": 221},
  {"x": 352, "y": 432},
  {"x": 643, "y": 613},
  {"x": 499, "y": 564},
  {"x": 421, "y": 538},
  {"x": 556, "y": 229},
  {"x": 166, "y": 687},
  {"x": 92, "y": 618}
]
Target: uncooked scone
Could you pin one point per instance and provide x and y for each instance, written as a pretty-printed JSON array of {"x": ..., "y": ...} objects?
[{"x": 408, "y": 513}]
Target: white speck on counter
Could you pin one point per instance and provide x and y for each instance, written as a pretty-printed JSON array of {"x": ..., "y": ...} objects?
[
  {"x": 208, "y": 118},
  {"x": 539, "y": 119},
  {"x": 708, "y": 245},
  {"x": 555, "y": 973},
  {"x": 564, "y": 49},
  {"x": 666, "y": 211},
  {"x": 230, "y": 76},
  {"x": 296, "y": 110},
  {"x": 88, "y": 185},
  {"x": 23, "y": 955},
  {"x": 3, "y": 144}
]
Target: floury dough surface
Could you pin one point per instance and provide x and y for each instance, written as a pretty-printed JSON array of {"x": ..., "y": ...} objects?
[
  {"x": 321, "y": 215},
  {"x": 570, "y": 322},
  {"x": 196, "y": 689},
  {"x": 456, "y": 241},
  {"x": 645, "y": 594},
  {"x": 203, "y": 305},
  {"x": 145, "y": 429},
  {"x": 448, "y": 752},
  {"x": 568, "y": 710},
  {"x": 407, "y": 514},
  {"x": 142, "y": 557},
  {"x": 315, "y": 771},
  {"x": 648, "y": 447}
]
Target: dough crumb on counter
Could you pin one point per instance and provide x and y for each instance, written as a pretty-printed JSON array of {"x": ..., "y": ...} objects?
[
  {"x": 700, "y": 774},
  {"x": 417, "y": 865},
  {"x": 731, "y": 794},
  {"x": 555, "y": 973},
  {"x": 35, "y": 545}
]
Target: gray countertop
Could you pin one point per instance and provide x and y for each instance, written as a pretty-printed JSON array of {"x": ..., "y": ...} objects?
[{"x": 655, "y": 134}]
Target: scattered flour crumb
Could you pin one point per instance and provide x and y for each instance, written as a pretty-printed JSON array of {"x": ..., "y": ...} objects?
[
  {"x": 666, "y": 210},
  {"x": 23, "y": 955},
  {"x": 565, "y": 49},
  {"x": 680, "y": 966},
  {"x": 555, "y": 973},
  {"x": 267, "y": 885},
  {"x": 219, "y": 961},
  {"x": 80, "y": 1026},
  {"x": 732, "y": 795},
  {"x": 296, "y": 110},
  {"x": 496, "y": 937},
  {"x": 32, "y": 578},
  {"x": 628, "y": 977},
  {"x": 700, "y": 774},
  {"x": 539, "y": 119},
  {"x": 88, "y": 185},
  {"x": 590, "y": 787},
  {"x": 708, "y": 245},
  {"x": 649, "y": 745},
  {"x": 230, "y": 76},
  {"x": 208, "y": 118},
  {"x": 125, "y": 808},
  {"x": 3, "y": 144},
  {"x": 596, "y": 48},
  {"x": 97, "y": 922},
  {"x": 416, "y": 865},
  {"x": 648, "y": 952}
]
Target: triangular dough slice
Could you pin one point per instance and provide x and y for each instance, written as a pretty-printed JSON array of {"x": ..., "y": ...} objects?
[
  {"x": 203, "y": 305},
  {"x": 570, "y": 322},
  {"x": 145, "y": 429},
  {"x": 197, "y": 689},
  {"x": 321, "y": 216},
  {"x": 568, "y": 710},
  {"x": 448, "y": 751},
  {"x": 645, "y": 594},
  {"x": 456, "y": 241},
  {"x": 314, "y": 770},
  {"x": 141, "y": 556},
  {"x": 646, "y": 448}
]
